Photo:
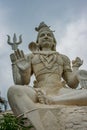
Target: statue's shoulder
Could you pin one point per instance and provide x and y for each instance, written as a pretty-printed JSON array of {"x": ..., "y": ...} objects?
[
  {"x": 34, "y": 58},
  {"x": 29, "y": 56},
  {"x": 65, "y": 59}
]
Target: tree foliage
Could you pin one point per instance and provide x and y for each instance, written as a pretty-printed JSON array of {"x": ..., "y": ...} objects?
[{"x": 10, "y": 122}]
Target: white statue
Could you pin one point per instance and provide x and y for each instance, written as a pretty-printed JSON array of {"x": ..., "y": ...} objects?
[{"x": 55, "y": 83}]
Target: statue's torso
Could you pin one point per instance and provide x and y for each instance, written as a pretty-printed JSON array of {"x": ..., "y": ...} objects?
[
  {"x": 48, "y": 70},
  {"x": 45, "y": 64}
]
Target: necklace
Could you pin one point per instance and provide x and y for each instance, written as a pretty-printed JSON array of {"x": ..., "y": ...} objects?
[{"x": 48, "y": 60}]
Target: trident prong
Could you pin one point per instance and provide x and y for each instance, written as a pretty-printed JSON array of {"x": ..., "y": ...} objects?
[{"x": 14, "y": 44}]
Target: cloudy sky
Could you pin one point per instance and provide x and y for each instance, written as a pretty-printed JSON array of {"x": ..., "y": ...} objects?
[{"x": 67, "y": 17}]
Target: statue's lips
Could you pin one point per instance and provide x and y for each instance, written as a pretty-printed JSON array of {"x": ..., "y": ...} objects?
[
  {"x": 46, "y": 43},
  {"x": 46, "y": 40}
]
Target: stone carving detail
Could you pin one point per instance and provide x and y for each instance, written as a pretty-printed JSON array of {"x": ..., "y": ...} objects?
[
  {"x": 50, "y": 124},
  {"x": 56, "y": 81}
]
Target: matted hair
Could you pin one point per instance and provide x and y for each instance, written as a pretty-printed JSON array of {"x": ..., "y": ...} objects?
[{"x": 43, "y": 27}]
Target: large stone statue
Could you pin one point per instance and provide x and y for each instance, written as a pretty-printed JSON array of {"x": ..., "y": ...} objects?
[{"x": 56, "y": 81}]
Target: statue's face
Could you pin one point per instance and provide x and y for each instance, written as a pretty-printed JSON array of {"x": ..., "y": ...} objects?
[{"x": 46, "y": 39}]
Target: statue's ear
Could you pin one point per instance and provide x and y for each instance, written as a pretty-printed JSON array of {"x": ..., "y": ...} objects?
[{"x": 33, "y": 46}]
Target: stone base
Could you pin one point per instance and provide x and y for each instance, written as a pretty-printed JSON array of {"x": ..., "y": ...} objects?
[{"x": 61, "y": 117}]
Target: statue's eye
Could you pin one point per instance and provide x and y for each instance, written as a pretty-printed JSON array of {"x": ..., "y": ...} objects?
[
  {"x": 49, "y": 35},
  {"x": 42, "y": 35}
]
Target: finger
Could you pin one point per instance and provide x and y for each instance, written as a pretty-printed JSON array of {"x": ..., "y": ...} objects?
[
  {"x": 13, "y": 57},
  {"x": 17, "y": 54},
  {"x": 22, "y": 54}
]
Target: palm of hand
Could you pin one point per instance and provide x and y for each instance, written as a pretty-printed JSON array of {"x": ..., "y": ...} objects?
[
  {"x": 23, "y": 64},
  {"x": 21, "y": 61}
]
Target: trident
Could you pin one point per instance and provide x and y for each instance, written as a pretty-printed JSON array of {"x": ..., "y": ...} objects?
[{"x": 14, "y": 44}]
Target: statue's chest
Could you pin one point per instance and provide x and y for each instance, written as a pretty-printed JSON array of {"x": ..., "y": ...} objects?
[{"x": 47, "y": 61}]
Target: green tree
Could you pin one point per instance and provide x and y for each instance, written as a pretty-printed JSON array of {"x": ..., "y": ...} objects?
[{"x": 10, "y": 122}]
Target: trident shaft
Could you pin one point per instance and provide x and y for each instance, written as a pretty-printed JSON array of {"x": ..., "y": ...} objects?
[{"x": 14, "y": 44}]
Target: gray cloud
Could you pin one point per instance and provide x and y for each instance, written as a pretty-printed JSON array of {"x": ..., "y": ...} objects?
[
  {"x": 68, "y": 19},
  {"x": 73, "y": 42}
]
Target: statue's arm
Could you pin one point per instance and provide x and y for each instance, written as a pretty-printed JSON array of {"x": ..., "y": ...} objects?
[
  {"x": 21, "y": 68},
  {"x": 69, "y": 75},
  {"x": 74, "y": 76}
]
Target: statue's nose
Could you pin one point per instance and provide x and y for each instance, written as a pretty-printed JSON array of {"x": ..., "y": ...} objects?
[{"x": 46, "y": 37}]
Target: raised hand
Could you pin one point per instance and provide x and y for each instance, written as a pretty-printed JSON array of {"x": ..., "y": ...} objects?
[
  {"x": 77, "y": 62},
  {"x": 21, "y": 61}
]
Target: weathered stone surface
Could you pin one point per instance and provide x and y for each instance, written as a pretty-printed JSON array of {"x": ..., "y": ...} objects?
[
  {"x": 64, "y": 117},
  {"x": 49, "y": 121}
]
